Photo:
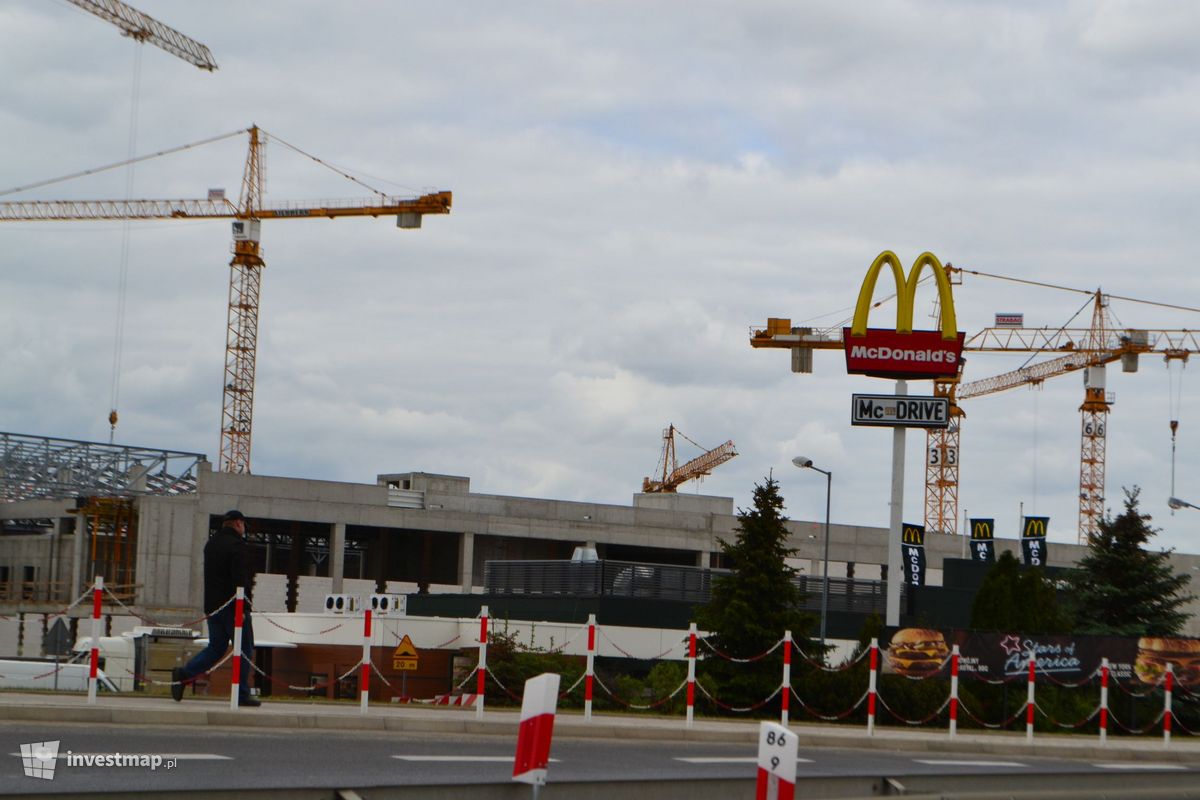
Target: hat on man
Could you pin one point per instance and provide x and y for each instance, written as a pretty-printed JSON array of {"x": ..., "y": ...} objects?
[{"x": 230, "y": 516}]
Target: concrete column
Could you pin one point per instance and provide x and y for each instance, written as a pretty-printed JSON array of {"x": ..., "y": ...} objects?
[
  {"x": 703, "y": 559},
  {"x": 337, "y": 555},
  {"x": 466, "y": 562},
  {"x": 81, "y": 535}
]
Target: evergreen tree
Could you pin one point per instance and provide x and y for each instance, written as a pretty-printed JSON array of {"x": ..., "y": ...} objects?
[
  {"x": 1121, "y": 588},
  {"x": 1017, "y": 600},
  {"x": 752, "y": 606}
]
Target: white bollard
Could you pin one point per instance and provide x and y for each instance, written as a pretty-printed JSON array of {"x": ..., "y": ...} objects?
[
  {"x": 481, "y": 670},
  {"x": 691, "y": 676},
  {"x": 871, "y": 687},
  {"x": 536, "y": 730},
  {"x": 364, "y": 682},
  {"x": 1103, "y": 700},
  {"x": 786, "y": 687},
  {"x": 1167, "y": 704},
  {"x": 1029, "y": 703},
  {"x": 236, "y": 678},
  {"x": 954, "y": 691},
  {"x": 591, "y": 671},
  {"x": 93, "y": 670}
]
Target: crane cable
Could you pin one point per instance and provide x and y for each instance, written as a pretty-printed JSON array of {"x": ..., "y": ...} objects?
[
  {"x": 123, "y": 270},
  {"x": 1174, "y": 403}
]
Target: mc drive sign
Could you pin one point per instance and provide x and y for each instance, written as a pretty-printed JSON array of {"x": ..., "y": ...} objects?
[{"x": 899, "y": 411}]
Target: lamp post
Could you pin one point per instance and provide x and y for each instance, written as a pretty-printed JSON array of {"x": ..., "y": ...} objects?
[
  {"x": 1175, "y": 503},
  {"x": 806, "y": 463}
]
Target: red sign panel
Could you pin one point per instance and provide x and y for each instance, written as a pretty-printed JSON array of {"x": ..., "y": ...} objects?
[{"x": 883, "y": 353}]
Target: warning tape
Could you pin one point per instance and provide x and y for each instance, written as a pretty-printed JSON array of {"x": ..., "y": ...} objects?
[
  {"x": 156, "y": 623},
  {"x": 503, "y": 688},
  {"x": 991, "y": 725},
  {"x": 921, "y": 721},
  {"x": 1152, "y": 690},
  {"x": 639, "y": 707},
  {"x": 627, "y": 654},
  {"x": 828, "y": 717},
  {"x": 464, "y": 680},
  {"x": 300, "y": 688},
  {"x": 375, "y": 669},
  {"x": 578, "y": 681},
  {"x": 1069, "y": 725},
  {"x": 727, "y": 657},
  {"x": 561, "y": 647},
  {"x": 303, "y": 633},
  {"x": 734, "y": 709},
  {"x": 1139, "y": 731}
]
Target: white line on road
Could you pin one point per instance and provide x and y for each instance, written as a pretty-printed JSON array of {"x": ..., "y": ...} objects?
[
  {"x": 1140, "y": 766},
  {"x": 949, "y": 762},
  {"x": 466, "y": 759},
  {"x": 729, "y": 760}
]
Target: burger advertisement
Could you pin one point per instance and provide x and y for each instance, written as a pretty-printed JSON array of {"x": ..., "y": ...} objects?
[{"x": 923, "y": 652}]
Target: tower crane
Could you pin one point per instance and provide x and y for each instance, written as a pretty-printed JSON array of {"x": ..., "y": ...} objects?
[
  {"x": 145, "y": 28},
  {"x": 1089, "y": 349},
  {"x": 669, "y": 475},
  {"x": 245, "y": 277}
]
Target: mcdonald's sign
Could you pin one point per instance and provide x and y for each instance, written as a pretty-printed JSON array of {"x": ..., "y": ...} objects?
[
  {"x": 982, "y": 540},
  {"x": 1033, "y": 541},
  {"x": 903, "y": 352},
  {"x": 912, "y": 546}
]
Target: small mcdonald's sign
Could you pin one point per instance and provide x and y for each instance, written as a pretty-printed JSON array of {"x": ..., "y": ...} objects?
[
  {"x": 912, "y": 545},
  {"x": 982, "y": 540},
  {"x": 1033, "y": 541}
]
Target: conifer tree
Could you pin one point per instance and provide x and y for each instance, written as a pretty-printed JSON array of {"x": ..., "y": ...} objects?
[
  {"x": 1016, "y": 600},
  {"x": 752, "y": 606},
  {"x": 1122, "y": 589}
]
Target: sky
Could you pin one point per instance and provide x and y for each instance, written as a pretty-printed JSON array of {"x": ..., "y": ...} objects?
[{"x": 635, "y": 187}]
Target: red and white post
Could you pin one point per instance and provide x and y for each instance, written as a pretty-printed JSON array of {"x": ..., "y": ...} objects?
[
  {"x": 872, "y": 678},
  {"x": 1029, "y": 702},
  {"x": 239, "y": 610},
  {"x": 481, "y": 670},
  {"x": 1167, "y": 687},
  {"x": 536, "y": 731},
  {"x": 364, "y": 682},
  {"x": 776, "y": 763},
  {"x": 1103, "y": 700},
  {"x": 786, "y": 687},
  {"x": 591, "y": 668},
  {"x": 93, "y": 670},
  {"x": 954, "y": 691},
  {"x": 691, "y": 678}
]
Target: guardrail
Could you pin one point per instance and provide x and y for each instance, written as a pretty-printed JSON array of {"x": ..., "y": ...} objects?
[{"x": 662, "y": 582}]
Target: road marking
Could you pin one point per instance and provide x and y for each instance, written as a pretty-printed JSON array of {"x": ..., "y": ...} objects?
[
  {"x": 1140, "y": 766},
  {"x": 949, "y": 762},
  {"x": 467, "y": 759},
  {"x": 729, "y": 760}
]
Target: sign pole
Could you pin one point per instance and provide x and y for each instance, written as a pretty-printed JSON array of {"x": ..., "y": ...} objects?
[
  {"x": 897, "y": 512},
  {"x": 1167, "y": 704},
  {"x": 364, "y": 682},
  {"x": 871, "y": 678},
  {"x": 591, "y": 664},
  {"x": 1103, "y": 701},
  {"x": 954, "y": 692},
  {"x": 93, "y": 670},
  {"x": 482, "y": 668},
  {"x": 1029, "y": 702},
  {"x": 235, "y": 677},
  {"x": 691, "y": 673},
  {"x": 786, "y": 687}
]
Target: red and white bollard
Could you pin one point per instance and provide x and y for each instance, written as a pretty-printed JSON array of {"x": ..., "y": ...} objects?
[
  {"x": 94, "y": 668},
  {"x": 954, "y": 691},
  {"x": 591, "y": 671},
  {"x": 239, "y": 601},
  {"x": 481, "y": 670},
  {"x": 1103, "y": 700},
  {"x": 1170, "y": 684},
  {"x": 364, "y": 682},
  {"x": 536, "y": 730},
  {"x": 691, "y": 678},
  {"x": 786, "y": 686},
  {"x": 871, "y": 681},
  {"x": 776, "y": 763},
  {"x": 1029, "y": 703}
]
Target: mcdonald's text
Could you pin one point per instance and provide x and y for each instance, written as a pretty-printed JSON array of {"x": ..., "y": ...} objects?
[{"x": 885, "y": 353}]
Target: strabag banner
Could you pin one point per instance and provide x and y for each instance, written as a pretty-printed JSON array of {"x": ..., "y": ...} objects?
[
  {"x": 921, "y": 652},
  {"x": 983, "y": 548},
  {"x": 1033, "y": 541},
  {"x": 912, "y": 549}
]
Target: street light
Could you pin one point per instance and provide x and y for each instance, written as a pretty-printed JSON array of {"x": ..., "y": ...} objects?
[
  {"x": 1175, "y": 503},
  {"x": 806, "y": 463}
]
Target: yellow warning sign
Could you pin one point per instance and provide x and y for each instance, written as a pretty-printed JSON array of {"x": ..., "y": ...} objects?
[{"x": 405, "y": 657}]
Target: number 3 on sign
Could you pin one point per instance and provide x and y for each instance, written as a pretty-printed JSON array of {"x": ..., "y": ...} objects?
[{"x": 776, "y": 762}]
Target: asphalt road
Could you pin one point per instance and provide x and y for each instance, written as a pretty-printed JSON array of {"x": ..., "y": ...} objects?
[{"x": 216, "y": 758}]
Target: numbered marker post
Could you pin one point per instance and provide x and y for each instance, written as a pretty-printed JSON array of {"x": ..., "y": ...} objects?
[
  {"x": 776, "y": 763},
  {"x": 536, "y": 730}
]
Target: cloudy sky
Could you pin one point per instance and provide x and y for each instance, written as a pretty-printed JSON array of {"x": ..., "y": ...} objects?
[{"x": 635, "y": 186}]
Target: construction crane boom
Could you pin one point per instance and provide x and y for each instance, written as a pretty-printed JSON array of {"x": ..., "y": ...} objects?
[
  {"x": 245, "y": 276},
  {"x": 671, "y": 475},
  {"x": 144, "y": 28}
]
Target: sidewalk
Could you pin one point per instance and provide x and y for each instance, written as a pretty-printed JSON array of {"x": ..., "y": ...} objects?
[{"x": 300, "y": 715}]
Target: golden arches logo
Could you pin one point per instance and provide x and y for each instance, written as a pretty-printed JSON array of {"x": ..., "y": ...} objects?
[
  {"x": 1035, "y": 528},
  {"x": 913, "y": 534},
  {"x": 906, "y": 291},
  {"x": 981, "y": 529}
]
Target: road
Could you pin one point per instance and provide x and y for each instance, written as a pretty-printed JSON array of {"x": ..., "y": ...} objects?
[{"x": 238, "y": 759}]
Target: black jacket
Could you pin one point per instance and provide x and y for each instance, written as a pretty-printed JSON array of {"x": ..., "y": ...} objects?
[{"x": 226, "y": 567}]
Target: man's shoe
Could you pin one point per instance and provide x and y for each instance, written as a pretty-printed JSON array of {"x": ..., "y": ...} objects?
[
  {"x": 177, "y": 684},
  {"x": 251, "y": 702}
]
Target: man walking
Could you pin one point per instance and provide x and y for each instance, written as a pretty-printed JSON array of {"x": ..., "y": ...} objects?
[{"x": 226, "y": 567}]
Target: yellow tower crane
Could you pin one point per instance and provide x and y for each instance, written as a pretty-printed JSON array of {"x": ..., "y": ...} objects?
[
  {"x": 145, "y": 28},
  {"x": 669, "y": 475},
  {"x": 245, "y": 277}
]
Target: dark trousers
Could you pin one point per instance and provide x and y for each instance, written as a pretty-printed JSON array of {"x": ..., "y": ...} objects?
[{"x": 220, "y": 637}]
